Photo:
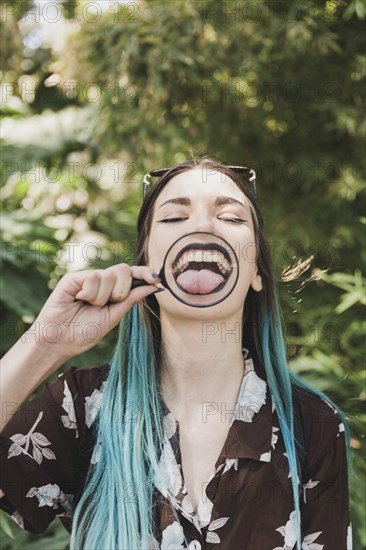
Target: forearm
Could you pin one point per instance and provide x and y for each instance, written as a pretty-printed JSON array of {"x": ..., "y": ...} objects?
[{"x": 24, "y": 367}]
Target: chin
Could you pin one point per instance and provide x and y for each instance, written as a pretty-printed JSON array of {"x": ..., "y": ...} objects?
[{"x": 227, "y": 309}]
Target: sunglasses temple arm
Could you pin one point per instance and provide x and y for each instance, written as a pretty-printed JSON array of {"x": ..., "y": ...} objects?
[
  {"x": 253, "y": 179},
  {"x": 147, "y": 181}
]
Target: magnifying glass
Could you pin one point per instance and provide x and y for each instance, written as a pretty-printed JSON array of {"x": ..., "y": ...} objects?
[{"x": 200, "y": 269}]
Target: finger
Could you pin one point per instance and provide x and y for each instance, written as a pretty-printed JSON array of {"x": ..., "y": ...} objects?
[
  {"x": 105, "y": 289},
  {"x": 70, "y": 285},
  {"x": 144, "y": 272},
  {"x": 122, "y": 281},
  {"x": 89, "y": 286},
  {"x": 124, "y": 274}
]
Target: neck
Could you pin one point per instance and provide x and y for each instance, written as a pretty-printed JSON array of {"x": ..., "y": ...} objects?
[{"x": 201, "y": 362}]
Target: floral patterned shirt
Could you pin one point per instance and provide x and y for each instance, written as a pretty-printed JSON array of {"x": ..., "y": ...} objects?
[{"x": 48, "y": 446}]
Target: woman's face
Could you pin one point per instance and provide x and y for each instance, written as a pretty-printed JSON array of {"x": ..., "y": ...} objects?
[{"x": 195, "y": 194}]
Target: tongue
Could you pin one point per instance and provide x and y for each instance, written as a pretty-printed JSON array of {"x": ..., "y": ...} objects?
[{"x": 199, "y": 282}]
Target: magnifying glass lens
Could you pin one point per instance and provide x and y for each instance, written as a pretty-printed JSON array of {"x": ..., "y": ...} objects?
[{"x": 200, "y": 269}]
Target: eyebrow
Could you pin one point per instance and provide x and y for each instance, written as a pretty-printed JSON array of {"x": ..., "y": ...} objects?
[{"x": 219, "y": 201}]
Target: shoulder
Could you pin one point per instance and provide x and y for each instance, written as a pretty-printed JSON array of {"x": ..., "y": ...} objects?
[
  {"x": 83, "y": 380},
  {"x": 320, "y": 421}
]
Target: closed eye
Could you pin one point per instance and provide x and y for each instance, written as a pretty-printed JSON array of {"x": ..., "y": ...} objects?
[
  {"x": 171, "y": 220},
  {"x": 235, "y": 220},
  {"x": 231, "y": 220}
]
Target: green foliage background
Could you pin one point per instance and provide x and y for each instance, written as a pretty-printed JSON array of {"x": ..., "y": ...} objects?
[{"x": 93, "y": 100}]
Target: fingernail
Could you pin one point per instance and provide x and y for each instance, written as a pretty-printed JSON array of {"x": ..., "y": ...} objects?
[
  {"x": 159, "y": 290},
  {"x": 155, "y": 275}
]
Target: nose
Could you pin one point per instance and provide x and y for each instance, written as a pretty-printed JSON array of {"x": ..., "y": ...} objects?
[{"x": 203, "y": 221}]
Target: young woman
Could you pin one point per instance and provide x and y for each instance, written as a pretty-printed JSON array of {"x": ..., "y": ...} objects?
[{"x": 195, "y": 434}]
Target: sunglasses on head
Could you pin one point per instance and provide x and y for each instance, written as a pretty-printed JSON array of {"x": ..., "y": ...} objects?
[{"x": 238, "y": 169}]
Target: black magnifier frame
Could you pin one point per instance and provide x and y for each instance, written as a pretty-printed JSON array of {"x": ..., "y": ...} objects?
[{"x": 139, "y": 282}]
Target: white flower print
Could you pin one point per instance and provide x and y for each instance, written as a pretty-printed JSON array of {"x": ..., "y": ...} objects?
[
  {"x": 204, "y": 510},
  {"x": 289, "y": 475},
  {"x": 349, "y": 538},
  {"x": 47, "y": 495},
  {"x": 96, "y": 453},
  {"x": 251, "y": 397},
  {"x": 92, "y": 404},
  {"x": 229, "y": 462},
  {"x": 309, "y": 485},
  {"x": 169, "y": 425},
  {"x": 216, "y": 524},
  {"x": 309, "y": 544},
  {"x": 266, "y": 457},
  {"x": 153, "y": 543},
  {"x": 66, "y": 502},
  {"x": 329, "y": 405},
  {"x": 274, "y": 436},
  {"x": 220, "y": 467},
  {"x": 288, "y": 531},
  {"x": 248, "y": 363},
  {"x": 38, "y": 440},
  {"x": 187, "y": 505},
  {"x": 69, "y": 419},
  {"x": 178, "y": 505},
  {"x": 18, "y": 519},
  {"x": 341, "y": 428},
  {"x": 196, "y": 523},
  {"x": 172, "y": 537},
  {"x": 170, "y": 478}
]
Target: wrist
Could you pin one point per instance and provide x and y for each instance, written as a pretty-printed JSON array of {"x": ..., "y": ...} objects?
[{"x": 43, "y": 348}]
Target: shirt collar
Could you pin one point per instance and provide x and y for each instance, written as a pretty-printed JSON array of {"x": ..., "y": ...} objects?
[{"x": 250, "y": 433}]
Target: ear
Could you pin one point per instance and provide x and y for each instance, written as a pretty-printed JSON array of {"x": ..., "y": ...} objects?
[{"x": 256, "y": 283}]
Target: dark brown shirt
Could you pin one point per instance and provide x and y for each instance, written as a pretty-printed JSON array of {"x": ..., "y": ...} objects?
[{"x": 47, "y": 447}]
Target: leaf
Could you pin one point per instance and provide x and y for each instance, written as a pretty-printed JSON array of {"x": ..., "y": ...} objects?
[
  {"x": 14, "y": 450},
  {"x": 349, "y": 300},
  {"x": 24, "y": 290},
  {"x": 40, "y": 439},
  {"x": 49, "y": 454},
  {"x": 37, "y": 455},
  {"x": 212, "y": 537},
  {"x": 69, "y": 424},
  {"x": 20, "y": 439},
  {"x": 31, "y": 493},
  {"x": 57, "y": 539},
  {"x": 217, "y": 523},
  {"x": 312, "y": 537},
  {"x": 5, "y": 526}
]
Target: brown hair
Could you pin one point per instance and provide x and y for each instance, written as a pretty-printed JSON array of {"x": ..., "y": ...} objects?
[{"x": 256, "y": 303}]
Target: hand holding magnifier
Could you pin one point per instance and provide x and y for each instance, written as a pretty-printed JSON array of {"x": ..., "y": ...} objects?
[{"x": 200, "y": 269}]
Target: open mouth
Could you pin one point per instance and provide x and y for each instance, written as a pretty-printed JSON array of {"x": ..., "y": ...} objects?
[{"x": 202, "y": 268}]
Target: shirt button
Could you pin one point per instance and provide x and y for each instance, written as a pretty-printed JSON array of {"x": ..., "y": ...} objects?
[{"x": 194, "y": 545}]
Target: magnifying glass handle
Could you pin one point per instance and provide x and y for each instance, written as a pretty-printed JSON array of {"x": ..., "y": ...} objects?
[{"x": 138, "y": 282}]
